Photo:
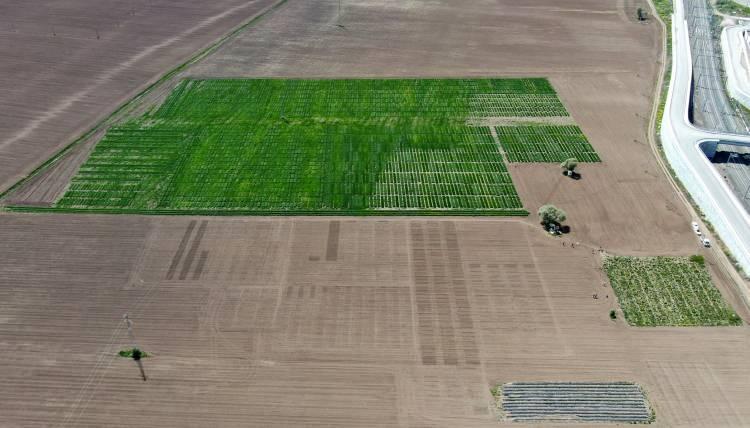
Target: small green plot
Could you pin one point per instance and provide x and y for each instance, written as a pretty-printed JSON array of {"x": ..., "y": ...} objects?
[
  {"x": 667, "y": 291},
  {"x": 545, "y": 143},
  {"x": 313, "y": 146}
]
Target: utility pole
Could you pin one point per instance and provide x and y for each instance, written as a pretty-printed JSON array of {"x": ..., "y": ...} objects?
[
  {"x": 338, "y": 17},
  {"x": 136, "y": 350},
  {"x": 130, "y": 330}
]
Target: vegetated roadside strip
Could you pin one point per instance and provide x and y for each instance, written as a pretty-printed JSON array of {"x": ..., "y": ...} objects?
[
  {"x": 133, "y": 102},
  {"x": 729, "y": 8},
  {"x": 663, "y": 13}
]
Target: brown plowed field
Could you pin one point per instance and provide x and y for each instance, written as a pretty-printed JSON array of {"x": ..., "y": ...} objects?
[
  {"x": 368, "y": 321},
  {"x": 325, "y": 322},
  {"x": 66, "y": 64}
]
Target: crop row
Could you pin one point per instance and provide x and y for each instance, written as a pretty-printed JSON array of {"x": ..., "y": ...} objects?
[
  {"x": 669, "y": 291},
  {"x": 543, "y": 143},
  {"x": 440, "y": 178},
  {"x": 312, "y": 145},
  {"x": 443, "y": 202},
  {"x": 520, "y": 105},
  {"x": 304, "y": 169},
  {"x": 228, "y": 101},
  {"x": 563, "y": 401}
]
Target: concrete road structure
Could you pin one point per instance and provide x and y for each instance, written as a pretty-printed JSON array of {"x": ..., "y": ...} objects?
[
  {"x": 712, "y": 108},
  {"x": 687, "y": 147},
  {"x": 735, "y": 46}
]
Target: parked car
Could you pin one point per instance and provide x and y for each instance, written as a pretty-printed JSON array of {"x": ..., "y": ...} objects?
[
  {"x": 696, "y": 228},
  {"x": 706, "y": 243}
]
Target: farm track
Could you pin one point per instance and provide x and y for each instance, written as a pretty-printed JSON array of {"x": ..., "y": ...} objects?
[{"x": 275, "y": 322}]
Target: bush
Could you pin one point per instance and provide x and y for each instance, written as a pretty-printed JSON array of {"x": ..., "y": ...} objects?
[
  {"x": 496, "y": 391},
  {"x": 569, "y": 164},
  {"x": 612, "y": 315},
  {"x": 697, "y": 258},
  {"x": 133, "y": 353}
]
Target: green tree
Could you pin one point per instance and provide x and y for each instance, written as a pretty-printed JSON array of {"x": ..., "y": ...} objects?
[
  {"x": 569, "y": 164},
  {"x": 136, "y": 354},
  {"x": 551, "y": 215}
]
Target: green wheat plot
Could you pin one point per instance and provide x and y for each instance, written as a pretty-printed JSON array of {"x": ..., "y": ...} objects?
[
  {"x": 545, "y": 143},
  {"x": 313, "y": 146}
]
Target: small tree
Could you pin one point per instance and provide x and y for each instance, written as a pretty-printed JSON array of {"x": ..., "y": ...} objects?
[
  {"x": 136, "y": 354},
  {"x": 551, "y": 215},
  {"x": 569, "y": 165}
]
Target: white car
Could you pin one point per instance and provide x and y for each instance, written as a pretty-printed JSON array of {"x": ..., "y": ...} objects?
[
  {"x": 696, "y": 229},
  {"x": 706, "y": 243}
]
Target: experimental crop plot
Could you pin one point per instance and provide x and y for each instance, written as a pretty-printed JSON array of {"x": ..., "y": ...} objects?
[
  {"x": 540, "y": 143},
  {"x": 621, "y": 402},
  {"x": 667, "y": 291},
  {"x": 313, "y": 146}
]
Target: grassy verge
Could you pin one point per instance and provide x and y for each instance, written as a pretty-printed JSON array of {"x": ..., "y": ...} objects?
[
  {"x": 730, "y": 7},
  {"x": 664, "y": 8},
  {"x": 667, "y": 291}
]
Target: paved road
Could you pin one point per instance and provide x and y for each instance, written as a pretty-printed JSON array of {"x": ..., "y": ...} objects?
[
  {"x": 738, "y": 173},
  {"x": 712, "y": 108},
  {"x": 681, "y": 141}
]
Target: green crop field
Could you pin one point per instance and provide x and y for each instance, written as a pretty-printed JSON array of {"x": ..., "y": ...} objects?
[
  {"x": 542, "y": 143},
  {"x": 354, "y": 146},
  {"x": 667, "y": 291}
]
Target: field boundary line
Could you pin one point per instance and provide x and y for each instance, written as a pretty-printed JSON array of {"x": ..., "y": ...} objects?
[
  {"x": 515, "y": 212},
  {"x": 500, "y": 149}
]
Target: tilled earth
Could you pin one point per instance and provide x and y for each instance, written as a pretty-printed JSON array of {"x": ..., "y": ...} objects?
[
  {"x": 67, "y": 64},
  {"x": 326, "y": 322},
  {"x": 368, "y": 321}
]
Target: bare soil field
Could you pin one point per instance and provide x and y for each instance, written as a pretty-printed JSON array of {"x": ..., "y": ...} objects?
[
  {"x": 68, "y": 64},
  {"x": 364, "y": 321},
  {"x": 326, "y": 322}
]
